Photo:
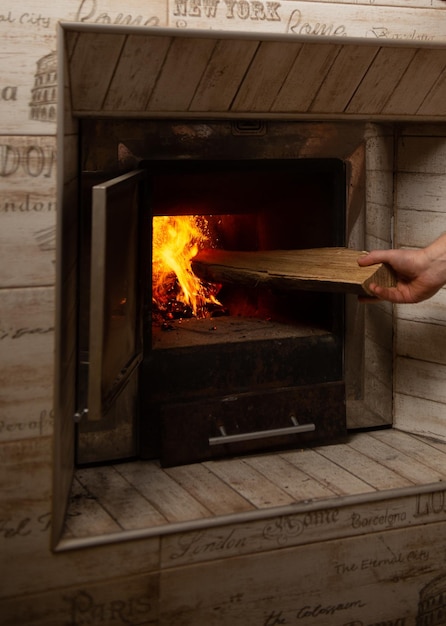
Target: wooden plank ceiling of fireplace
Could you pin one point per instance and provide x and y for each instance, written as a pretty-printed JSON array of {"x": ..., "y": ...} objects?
[{"x": 135, "y": 72}]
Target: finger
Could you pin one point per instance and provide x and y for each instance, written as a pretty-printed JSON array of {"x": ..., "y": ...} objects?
[
  {"x": 370, "y": 258},
  {"x": 364, "y": 259},
  {"x": 376, "y": 256}
]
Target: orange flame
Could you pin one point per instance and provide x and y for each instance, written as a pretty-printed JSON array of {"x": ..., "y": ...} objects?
[{"x": 176, "y": 240}]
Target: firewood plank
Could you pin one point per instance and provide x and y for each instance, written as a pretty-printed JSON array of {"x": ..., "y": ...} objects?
[{"x": 317, "y": 269}]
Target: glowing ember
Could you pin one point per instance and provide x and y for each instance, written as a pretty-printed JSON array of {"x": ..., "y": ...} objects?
[{"x": 176, "y": 240}]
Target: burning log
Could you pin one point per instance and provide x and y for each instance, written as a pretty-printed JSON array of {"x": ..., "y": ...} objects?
[{"x": 317, "y": 269}]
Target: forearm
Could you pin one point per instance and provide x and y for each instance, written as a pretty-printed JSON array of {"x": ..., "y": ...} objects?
[{"x": 436, "y": 251}]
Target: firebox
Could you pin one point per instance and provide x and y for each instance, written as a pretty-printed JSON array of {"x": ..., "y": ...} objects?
[{"x": 251, "y": 369}]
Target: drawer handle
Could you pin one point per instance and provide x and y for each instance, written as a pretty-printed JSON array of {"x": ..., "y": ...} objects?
[{"x": 260, "y": 434}]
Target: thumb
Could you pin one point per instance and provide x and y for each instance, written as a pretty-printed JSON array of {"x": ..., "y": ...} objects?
[
  {"x": 376, "y": 256},
  {"x": 366, "y": 258}
]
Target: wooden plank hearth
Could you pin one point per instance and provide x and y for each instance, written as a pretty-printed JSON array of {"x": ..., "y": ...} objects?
[{"x": 143, "y": 496}]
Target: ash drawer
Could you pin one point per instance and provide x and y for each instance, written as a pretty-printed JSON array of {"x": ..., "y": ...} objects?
[{"x": 251, "y": 422}]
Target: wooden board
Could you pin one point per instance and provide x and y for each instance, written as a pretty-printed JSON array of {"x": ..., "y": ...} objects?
[
  {"x": 27, "y": 211},
  {"x": 142, "y": 495},
  {"x": 316, "y": 269},
  {"x": 382, "y": 578},
  {"x": 244, "y": 73}
]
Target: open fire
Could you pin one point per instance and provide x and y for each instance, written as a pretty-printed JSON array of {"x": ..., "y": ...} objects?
[{"x": 176, "y": 291}]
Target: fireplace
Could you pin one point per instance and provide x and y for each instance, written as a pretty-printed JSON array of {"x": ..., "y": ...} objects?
[
  {"x": 263, "y": 370},
  {"x": 319, "y": 97}
]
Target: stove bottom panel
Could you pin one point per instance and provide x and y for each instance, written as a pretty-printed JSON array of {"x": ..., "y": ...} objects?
[
  {"x": 269, "y": 368},
  {"x": 224, "y": 426},
  {"x": 231, "y": 355}
]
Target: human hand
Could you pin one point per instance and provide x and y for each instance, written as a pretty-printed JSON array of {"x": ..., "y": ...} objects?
[{"x": 420, "y": 273}]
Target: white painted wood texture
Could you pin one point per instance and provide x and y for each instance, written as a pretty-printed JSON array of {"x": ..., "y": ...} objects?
[
  {"x": 229, "y": 72},
  {"x": 117, "y": 600},
  {"x": 28, "y": 564},
  {"x": 378, "y": 320},
  {"x": 344, "y": 19},
  {"x": 420, "y": 337},
  {"x": 29, "y": 33},
  {"x": 65, "y": 354},
  {"x": 28, "y": 39},
  {"x": 27, "y": 211},
  {"x": 26, "y": 363},
  {"x": 143, "y": 496},
  {"x": 375, "y": 579}
]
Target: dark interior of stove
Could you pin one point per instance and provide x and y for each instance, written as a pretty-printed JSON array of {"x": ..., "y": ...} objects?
[
  {"x": 273, "y": 361},
  {"x": 265, "y": 370}
]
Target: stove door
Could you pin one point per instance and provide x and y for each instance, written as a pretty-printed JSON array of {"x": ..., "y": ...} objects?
[{"x": 111, "y": 319}]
